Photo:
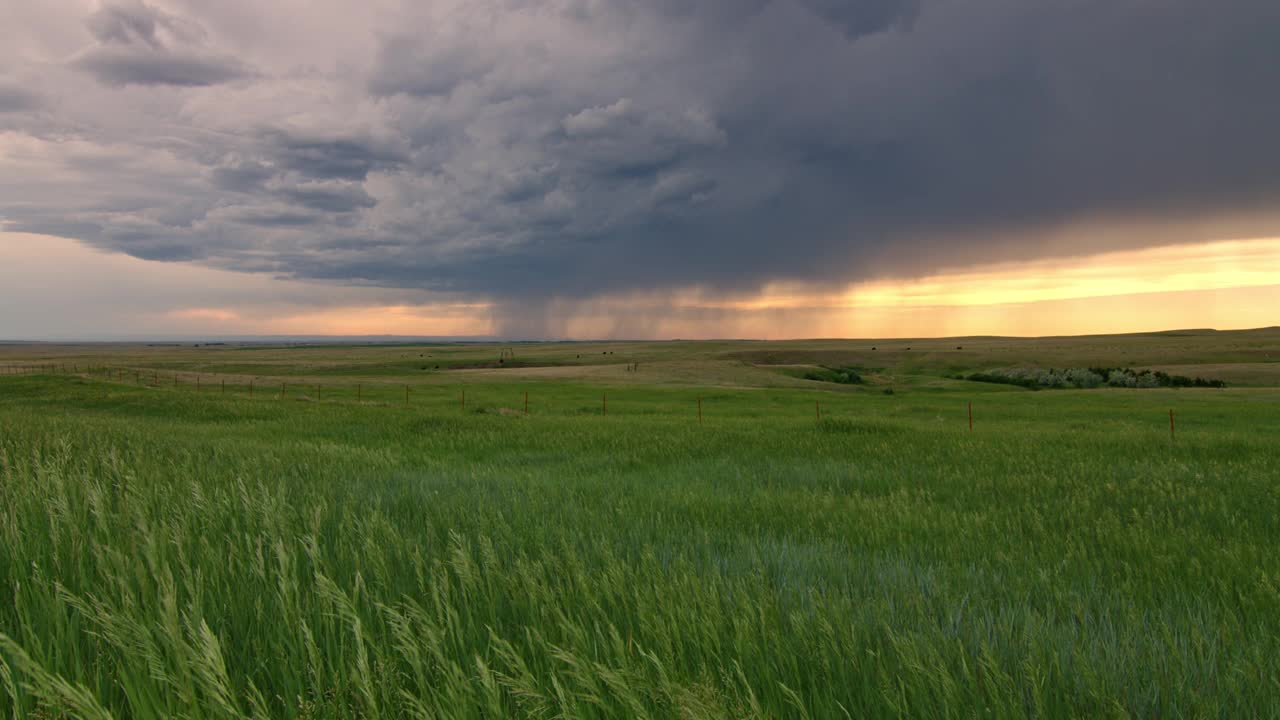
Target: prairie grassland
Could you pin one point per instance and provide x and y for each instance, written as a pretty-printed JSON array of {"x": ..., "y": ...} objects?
[{"x": 172, "y": 554}]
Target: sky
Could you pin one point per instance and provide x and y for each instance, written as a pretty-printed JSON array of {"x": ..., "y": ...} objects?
[{"x": 637, "y": 168}]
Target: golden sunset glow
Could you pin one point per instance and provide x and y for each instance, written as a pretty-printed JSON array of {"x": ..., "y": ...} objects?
[
  {"x": 1204, "y": 266},
  {"x": 464, "y": 319}
]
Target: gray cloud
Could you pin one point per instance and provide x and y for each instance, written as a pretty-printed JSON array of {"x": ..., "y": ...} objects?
[
  {"x": 520, "y": 152},
  {"x": 335, "y": 197},
  {"x": 865, "y": 17},
  {"x": 269, "y": 217},
  {"x": 142, "y": 45},
  {"x": 241, "y": 176},
  {"x": 141, "y": 66},
  {"x": 15, "y": 98},
  {"x": 345, "y": 158},
  {"x": 407, "y": 65}
]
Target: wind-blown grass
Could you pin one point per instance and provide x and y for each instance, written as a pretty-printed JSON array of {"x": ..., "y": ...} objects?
[{"x": 170, "y": 555}]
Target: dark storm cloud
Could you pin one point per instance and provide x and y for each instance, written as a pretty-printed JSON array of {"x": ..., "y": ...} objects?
[{"x": 521, "y": 151}]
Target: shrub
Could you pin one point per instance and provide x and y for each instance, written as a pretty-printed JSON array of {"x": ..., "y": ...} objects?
[
  {"x": 1082, "y": 378},
  {"x": 1089, "y": 378}
]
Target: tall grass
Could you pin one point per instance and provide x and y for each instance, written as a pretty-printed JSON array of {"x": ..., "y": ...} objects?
[{"x": 167, "y": 556}]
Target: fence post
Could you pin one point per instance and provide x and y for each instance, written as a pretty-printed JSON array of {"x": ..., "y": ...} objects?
[
  {"x": 526, "y": 402},
  {"x": 464, "y": 399},
  {"x": 360, "y": 392},
  {"x": 1171, "y": 437},
  {"x": 699, "y": 411},
  {"x": 817, "y": 409},
  {"x": 250, "y": 388},
  {"x": 604, "y": 404},
  {"x": 406, "y": 396},
  {"x": 317, "y": 393},
  {"x": 971, "y": 416}
]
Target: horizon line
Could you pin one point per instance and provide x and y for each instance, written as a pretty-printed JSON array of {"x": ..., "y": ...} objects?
[{"x": 487, "y": 339}]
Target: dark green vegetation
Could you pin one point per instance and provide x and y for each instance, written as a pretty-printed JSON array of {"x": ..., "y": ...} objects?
[
  {"x": 1089, "y": 378},
  {"x": 167, "y": 552},
  {"x": 840, "y": 376}
]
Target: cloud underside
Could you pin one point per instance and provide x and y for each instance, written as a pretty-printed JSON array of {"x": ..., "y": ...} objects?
[
  {"x": 15, "y": 98},
  {"x": 522, "y": 152},
  {"x": 146, "y": 67}
]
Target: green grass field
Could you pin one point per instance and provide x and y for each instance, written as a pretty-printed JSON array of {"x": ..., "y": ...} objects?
[{"x": 168, "y": 552}]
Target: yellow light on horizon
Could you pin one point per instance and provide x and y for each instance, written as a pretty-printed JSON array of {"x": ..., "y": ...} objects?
[{"x": 1202, "y": 266}]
